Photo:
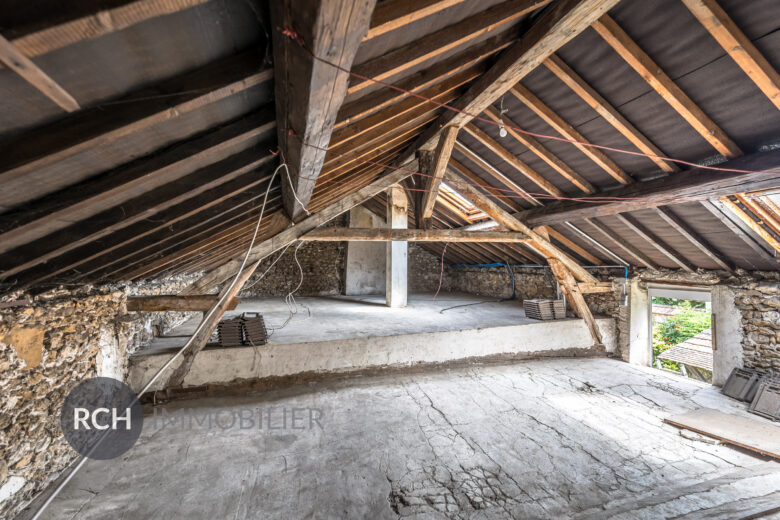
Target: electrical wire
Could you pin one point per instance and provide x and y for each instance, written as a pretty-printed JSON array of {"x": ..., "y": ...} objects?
[
  {"x": 220, "y": 301},
  {"x": 441, "y": 274}
]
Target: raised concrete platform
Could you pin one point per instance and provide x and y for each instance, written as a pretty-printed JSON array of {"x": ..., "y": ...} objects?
[
  {"x": 347, "y": 334},
  {"x": 548, "y": 439}
]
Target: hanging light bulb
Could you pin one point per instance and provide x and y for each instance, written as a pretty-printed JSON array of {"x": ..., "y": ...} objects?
[{"x": 501, "y": 128}]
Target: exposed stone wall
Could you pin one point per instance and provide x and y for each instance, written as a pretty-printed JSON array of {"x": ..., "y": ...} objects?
[
  {"x": 759, "y": 304},
  {"x": 425, "y": 271},
  {"x": 322, "y": 263},
  {"x": 756, "y": 295},
  {"x": 46, "y": 348}
]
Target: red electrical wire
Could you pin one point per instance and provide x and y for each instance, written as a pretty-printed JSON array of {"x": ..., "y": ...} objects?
[{"x": 293, "y": 34}]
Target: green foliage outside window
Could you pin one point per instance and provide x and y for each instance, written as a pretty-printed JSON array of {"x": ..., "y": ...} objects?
[{"x": 691, "y": 320}]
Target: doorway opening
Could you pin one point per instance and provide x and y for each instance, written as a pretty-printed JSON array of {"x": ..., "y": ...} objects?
[{"x": 681, "y": 321}]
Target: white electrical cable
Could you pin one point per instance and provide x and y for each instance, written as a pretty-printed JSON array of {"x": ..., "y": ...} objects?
[
  {"x": 175, "y": 356},
  {"x": 292, "y": 190}
]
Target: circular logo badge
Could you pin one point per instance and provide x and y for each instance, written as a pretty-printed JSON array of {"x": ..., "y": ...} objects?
[{"x": 101, "y": 418}]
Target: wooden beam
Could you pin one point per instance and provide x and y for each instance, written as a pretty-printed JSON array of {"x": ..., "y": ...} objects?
[
  {"x": 617, "y": 38},
  {"x": 37, "y": 41},
  {"x": 610, "y": 114},
  {"x": 439, "y": 165},
  {"x": 511, "y": 159},
  {"x": 598, "y": 287},
  {"x": 391, "y": 15},
  {"x": 334, "y": 234},
  {"x": 694, "y": 238},
  {"x": 286, "y": 237},
  {"x": 568, "y": 131},
  {"x": 611, "y": 235},
  {"x": 26, "y": 160},
  {"x": 763, "y": 214},
  {"x": 540, "y": 151},
  {"x": 442, "y": 41},
  {"x": 309, "y": 92},
  {"x": 574, "y": 296},
  {"x": 738, "y": 46},
  {"x": 696, "y": 184},
  {"x": 536, "y": 241},
  {"x": 33, "y": 75},
  {"x": 651, "y": 238},
  {"x": 197, "y": 303}
]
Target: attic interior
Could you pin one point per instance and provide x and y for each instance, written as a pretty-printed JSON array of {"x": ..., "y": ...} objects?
[{"x": 390, "y": 259}]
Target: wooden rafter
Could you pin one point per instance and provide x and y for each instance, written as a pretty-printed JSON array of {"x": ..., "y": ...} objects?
[
  {"x": 473, "y": 57},
  {"x": 596, "y": 243},
  {"x": 749, "y": 220},
  {"x": 510, "y": 222},
  {"x": 438, "y": 165},
  {"x": 39, "y": 41},
  {"x": 112, "y": 188},
  {"x": 478, "y": 181},
  {"x": 309, "y": 92},
  {"x": 566, "y": 130},
  {"x": 540, "y": 151},
  {"x": 515, "y": 189},
  {"x": 33, "y": 75},
  {"x": 570, "y": 245},
  {"x": 617, "y": 38},
  {"x": 25, "y": 160},
  {"x": 738, "y": 46},
  {"x": 444, "y": 40},
  {"x": 652, "y": 239},
  {"x": 391, "y": 15},
  {"x": 611, "y": 235},
  {"x": 511, "y": 159},
  {"x": 695, "y": 238},
  {"x": 695, "y": 184},
  {"x": 610, "y": 114},
  {"x": 739, "y": 228}
]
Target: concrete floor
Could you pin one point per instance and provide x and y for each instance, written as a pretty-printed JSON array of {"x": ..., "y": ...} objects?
[
  {"x": 559, "y": 438},
  {"x": 325, "y": 318}
]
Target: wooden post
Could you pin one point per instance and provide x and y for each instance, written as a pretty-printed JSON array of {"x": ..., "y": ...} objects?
[{"x": 395, "y": 268}]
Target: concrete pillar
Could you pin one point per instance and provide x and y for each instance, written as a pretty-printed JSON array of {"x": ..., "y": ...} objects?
[
  {"x": 396, "y": 259},
  {"x": 640, "y": 349},
  {"x": 365, "y": 272},
  {"x": 726, "y": 334}
]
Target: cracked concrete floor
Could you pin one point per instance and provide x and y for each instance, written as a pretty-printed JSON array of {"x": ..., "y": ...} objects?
[{"x": 561, "y": 438}]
